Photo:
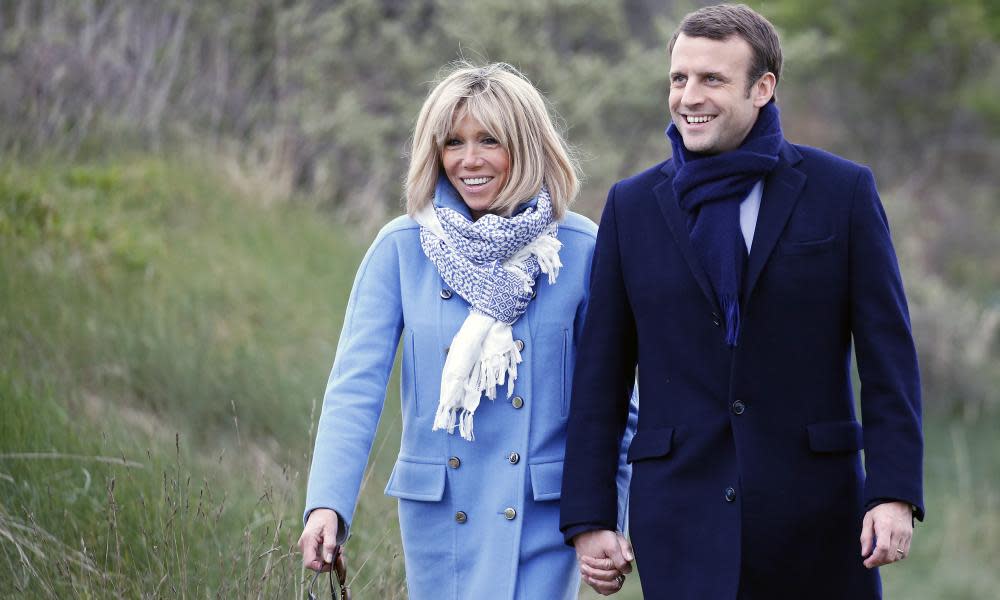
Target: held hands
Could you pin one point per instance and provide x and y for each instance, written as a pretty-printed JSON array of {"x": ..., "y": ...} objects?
[
  {"x": 889, "y": 528},
  {"x": 318, "y": 539},
  {"x": 605, "y": 558}
]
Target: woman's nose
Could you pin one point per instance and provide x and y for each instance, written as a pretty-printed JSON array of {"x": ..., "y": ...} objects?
[{"x": 471, "y": 157}]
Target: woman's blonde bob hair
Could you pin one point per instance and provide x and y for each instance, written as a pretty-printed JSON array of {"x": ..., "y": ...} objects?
[{"x": 511, "y": 110}]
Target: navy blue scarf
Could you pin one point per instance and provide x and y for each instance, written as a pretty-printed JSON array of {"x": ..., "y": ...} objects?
[{"x": 710, "y": 188}]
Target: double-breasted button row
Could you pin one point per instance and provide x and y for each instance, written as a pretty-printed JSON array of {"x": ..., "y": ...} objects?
[
  {"x": 517, "y": 402},
  {"x": 509, "y": 513},
  {"x": 513, "y": 458},
  {"x": 454, "y": 462},
  {"x": 446, "y": 294},
  {"x": 461, "y": 517},
  {"x": 738, "y": 407},
  {"x": 730, "y": 494}
]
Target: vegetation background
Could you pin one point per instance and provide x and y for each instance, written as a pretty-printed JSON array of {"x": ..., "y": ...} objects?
[{"x": 186, "y": 189}]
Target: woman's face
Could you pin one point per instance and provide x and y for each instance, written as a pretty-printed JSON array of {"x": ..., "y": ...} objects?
[{"x": 476, "y": 165}]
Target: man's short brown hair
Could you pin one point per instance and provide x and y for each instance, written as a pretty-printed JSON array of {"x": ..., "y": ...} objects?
[{"x": 721, "y": 21}]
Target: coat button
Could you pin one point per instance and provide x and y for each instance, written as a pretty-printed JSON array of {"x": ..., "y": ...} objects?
[
  {"x": 445, "y": 293},
  {"x": 509, "y": 513},
  {"x": 739, "y": 407},
  {"x": 519, "y": 344},
  {"x": 454, "y": 462},
  {"x": 514, "y": 458},
  {"x": 730, "y": 494},
  {"x": 533, "y": 293},
  {"x": 716, "y": 320},
  {"x": 461, "y": 517},
  {"x": 517, "y": 402}
]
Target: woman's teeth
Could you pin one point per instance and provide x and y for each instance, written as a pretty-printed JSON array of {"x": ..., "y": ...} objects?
[{"x": 476, "y": 180}]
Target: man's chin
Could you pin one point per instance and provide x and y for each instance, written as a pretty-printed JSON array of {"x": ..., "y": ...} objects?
[{"x": 699, "y": 146}]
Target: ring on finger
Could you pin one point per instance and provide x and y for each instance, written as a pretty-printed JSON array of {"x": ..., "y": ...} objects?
[{"x": 621, "y": 580}]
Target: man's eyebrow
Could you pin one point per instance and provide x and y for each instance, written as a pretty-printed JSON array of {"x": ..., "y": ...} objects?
[{"x": 715, "y": 74}]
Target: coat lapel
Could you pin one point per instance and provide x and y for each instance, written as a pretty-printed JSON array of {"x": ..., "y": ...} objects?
[
  {"x": 678, "y": 227},
  {"x": 781, "y": 191}
]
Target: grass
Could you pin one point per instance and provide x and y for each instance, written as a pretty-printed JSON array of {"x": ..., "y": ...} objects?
[
  {"x": 164, "y": 340},
  {"x": 164, "y": 345}
]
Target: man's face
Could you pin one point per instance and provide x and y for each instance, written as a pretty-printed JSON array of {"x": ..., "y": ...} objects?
[{"x": 709, "y": 102}]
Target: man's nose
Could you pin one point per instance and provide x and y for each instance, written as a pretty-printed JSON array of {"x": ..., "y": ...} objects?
[{"x": 693, "y": 95}]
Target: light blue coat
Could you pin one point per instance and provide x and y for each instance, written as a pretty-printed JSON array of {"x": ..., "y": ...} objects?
[{"x": 509, "y": 545}]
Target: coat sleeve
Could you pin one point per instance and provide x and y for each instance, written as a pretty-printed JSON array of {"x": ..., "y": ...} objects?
[
  {"x": 887, "y": 359},
  {"x": 602, "y": 386},
  {"x": 624, "y": 476},
  {"x": 355, "y": 391}
]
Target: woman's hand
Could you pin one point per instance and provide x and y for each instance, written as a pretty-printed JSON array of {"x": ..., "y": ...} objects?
[
  {"x": 319, "y": 538},
  {"x": 605, "y": 559}
]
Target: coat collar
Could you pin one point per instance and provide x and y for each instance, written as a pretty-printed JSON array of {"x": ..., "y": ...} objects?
[{"x": 781, "y": 191}]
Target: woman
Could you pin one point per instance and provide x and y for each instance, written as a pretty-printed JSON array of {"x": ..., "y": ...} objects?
[{"x": 486, "y": 281}]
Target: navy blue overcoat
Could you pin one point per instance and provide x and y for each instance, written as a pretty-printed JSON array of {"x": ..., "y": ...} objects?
[{"x": 747, "y": 474}]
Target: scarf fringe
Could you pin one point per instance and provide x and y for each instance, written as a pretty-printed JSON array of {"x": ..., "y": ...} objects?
[
  {"x": 482, "y": 357},
  {"x": 545, "y": 248}
]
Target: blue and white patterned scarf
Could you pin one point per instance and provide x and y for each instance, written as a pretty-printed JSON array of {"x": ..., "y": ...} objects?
[{"x": 492, "y": 263}]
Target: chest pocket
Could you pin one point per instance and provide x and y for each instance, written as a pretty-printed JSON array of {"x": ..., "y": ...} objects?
[{"x": 806, "y": 248}]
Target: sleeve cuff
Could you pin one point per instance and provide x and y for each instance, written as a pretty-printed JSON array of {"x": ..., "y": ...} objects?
[{"x": 574, "y": 530}]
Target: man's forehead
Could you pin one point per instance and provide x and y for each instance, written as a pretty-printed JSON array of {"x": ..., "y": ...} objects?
[{"x": 705, "y": 54}]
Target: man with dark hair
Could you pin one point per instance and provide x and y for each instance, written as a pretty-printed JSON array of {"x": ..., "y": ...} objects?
[{"x": 736, "y": 276}]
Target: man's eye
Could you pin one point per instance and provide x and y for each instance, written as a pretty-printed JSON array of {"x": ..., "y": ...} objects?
[{"x": 677, "y": 79}]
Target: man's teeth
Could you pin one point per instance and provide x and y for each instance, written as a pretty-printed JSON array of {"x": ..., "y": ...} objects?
[
  {"x": 705, "y": 119},
  {"x": 476, "y": 180}
]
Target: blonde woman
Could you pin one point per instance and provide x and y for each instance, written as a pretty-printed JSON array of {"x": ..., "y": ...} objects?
[{"x": 486, "y": 281}]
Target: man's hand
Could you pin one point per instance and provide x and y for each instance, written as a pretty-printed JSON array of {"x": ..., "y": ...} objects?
[
  {"x": 318, "y": 540},
  {"x": 605, "y": 558},
  {"x": 889, "y": 527}
]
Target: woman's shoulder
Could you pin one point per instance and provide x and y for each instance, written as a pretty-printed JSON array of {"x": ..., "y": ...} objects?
[
  {"x": 395, "y": 230},
  {"x": 575, "y": 225},
  {"x": 400, "y": 223}
]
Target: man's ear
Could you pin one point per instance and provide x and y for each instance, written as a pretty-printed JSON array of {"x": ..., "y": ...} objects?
[{"x": 763, "y": 89}]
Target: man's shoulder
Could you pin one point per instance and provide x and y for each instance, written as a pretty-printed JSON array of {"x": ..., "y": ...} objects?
[
  {"x": 821, "y": 162},
  {"x": 640, "y": 185}
]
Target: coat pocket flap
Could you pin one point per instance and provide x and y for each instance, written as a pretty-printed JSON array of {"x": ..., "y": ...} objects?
[
  {"x": 416, "y": 481},
  {"x": 546, "y": 480},
  {"x": 808, "y": 247},
  {"x": 650, "y": 443},
  {"x": 835, "y": 436}
]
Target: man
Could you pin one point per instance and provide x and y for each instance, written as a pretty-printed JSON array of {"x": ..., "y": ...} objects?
[{"x": 734, "y": 277}]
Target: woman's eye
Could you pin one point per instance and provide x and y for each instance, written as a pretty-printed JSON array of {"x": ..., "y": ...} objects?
[
  {"x": 452, "y": 142},
  {"x": 491, "y": 141}
]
